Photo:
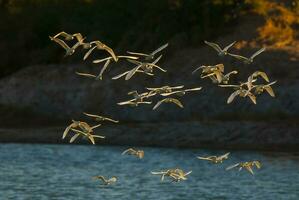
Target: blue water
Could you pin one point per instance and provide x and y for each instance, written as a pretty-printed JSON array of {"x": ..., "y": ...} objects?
[{"x": 41, "y": 172}]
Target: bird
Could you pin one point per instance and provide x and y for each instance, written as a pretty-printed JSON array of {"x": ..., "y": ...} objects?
[
  {"x": 101, "y": 46},
  {"x": 68, "y": 50},
  {"x": 168, "y": 100},
  {"x": 176, "y": 174},
  {"x": 99, "y": 118},
  {"x": 65, "y": 35},
  {"x": 215, "y": 159},
  {"x": 253, "y": 77},
  {"x": 240, "y": 91},
  {"x": 258, "y": 89},
  {"x": 218, "y": 77},
  {"x": 86, "y": 131},
  {"x": 105, "y": 181},
  {"x": 221, "y": 52},
  {"x": 207, "y": 69},
  {"x": 108, "y": 60},
  {"x": 138, "y": 99},
  {"x": 145, "y": 66},
  {"x": 138, "y": 153},
  {"x": 250, "y": 59},
  {"x": 164, "y": 89},
  {"x": 150, "y": 56},
  {"x": 247, "y": 165},
  {"x": 133, "y": 102}
]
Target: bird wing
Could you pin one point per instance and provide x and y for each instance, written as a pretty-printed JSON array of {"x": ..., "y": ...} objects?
[
  {"x": 257, "y": 164},
  {"x": 220, "y": 67},
  {"x": 270, "y": 90},
  {"x": 98, "y": 136},
  {"x": 249, "y": 169},
  {"x": 89, "y": 52},
  {"x": 91, "y": 115},
  {"x": 232, "y": 72},
  {"x": 78, "y": 36},
  {"x": 234, "y": 86},
  {"x": 120, "y": 75},
  {"x": 203, "y": 158},
  {"x": 171, "y": 93},
  {"x": 60, "y": 42},
  {"x": 126, "y": 102},
  {"x": 214, "y": 46},
  {"x": 258, "y": 52},
  {"x": 66, "y": 131},
  {"x": 102, "y": 178},
  {"x": 74, "y": 137},
  {"x": 158, "y": 104},
  {"x": 102, "y": 60},
  {"x": 198, "y": 69},
  {"x": 177, "y": 102},
  {"x": 161, "y": 69},
  {"x": 239, "y": 57},
  {"x": 157, "y": 60},
  {"x": 86, "y": 75},
  {"x": 219, "y": 76},
  {"x": 111, "y": 120},
  {"x": 232, "y": 166},
  {"x": 159, "y": 49},
  {"x": 232, "y": 96},
  {"x": 96, "y": 126},
  {"x": 193, "y": 89},
  {"x": 229, "y": 46},
  {"x": 186, "y": 174},
  {"x": 139, "y": 54},
  {"x": 63, "y": 34},
  {"x": 225, "y": 156},
  {"x": 100, "y": 76},
  {"x": 252, "y": 97},
  {"x": 177, "y": 87},
  {"x": 127, "y": 151},
  {"x": 90, "y": 137},
  {"x": 132, "y": 72}
]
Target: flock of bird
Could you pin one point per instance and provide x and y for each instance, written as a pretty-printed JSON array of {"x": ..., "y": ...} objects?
[{"x": 145, "y": 63}]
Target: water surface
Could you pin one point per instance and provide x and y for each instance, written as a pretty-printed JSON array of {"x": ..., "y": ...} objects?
[{"x": 64, "y": 172}]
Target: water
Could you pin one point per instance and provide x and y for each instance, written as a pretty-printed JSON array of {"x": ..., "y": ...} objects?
[{"x": 65, "y": 171}]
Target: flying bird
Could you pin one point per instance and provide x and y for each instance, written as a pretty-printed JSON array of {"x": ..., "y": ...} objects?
[{"x": 221, "y": 52}]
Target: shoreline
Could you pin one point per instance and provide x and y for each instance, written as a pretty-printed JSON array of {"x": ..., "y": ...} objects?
[{"x": 230, "y": 135}]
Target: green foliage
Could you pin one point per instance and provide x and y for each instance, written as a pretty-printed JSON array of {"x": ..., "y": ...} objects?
[{"x": 26, "y": 24}]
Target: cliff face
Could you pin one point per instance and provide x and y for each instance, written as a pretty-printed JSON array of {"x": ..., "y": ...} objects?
[{"x": 56, "y": 91}]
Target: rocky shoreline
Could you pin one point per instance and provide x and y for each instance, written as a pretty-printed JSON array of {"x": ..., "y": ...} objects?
[{"x": 235, "y": 135}]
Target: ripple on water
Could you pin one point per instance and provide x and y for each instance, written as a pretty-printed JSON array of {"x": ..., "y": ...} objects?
[{"x": 64, "y": 172}]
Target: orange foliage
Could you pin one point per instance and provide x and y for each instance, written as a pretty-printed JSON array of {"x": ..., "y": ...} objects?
[{"x": 278, "y": 29}]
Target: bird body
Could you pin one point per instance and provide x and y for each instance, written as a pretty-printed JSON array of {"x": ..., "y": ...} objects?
[{"x": 137, "y": 153}]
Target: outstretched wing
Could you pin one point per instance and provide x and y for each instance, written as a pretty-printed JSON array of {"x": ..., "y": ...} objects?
[
  {"x": 91, "y": 115},
  {"x": 132, "y": 72},
  {"x": 214, "y": 46},
  {"x": 203, "y": 158},
  {"x": 74, "y": 137},
  {"x": 232, "y": 166},
  {"x": 120, "y": 75},
  {"x": 100, "y": 76},
  {"x": 60, "y": 42},
  {"x": 66, "y": 131},
  {"x": 159, "y": 49},
  {"x": 232, "y": 96},
  {"x": 158, "y": 104},
  {"x": 249, "y": 169},
  {"x": 258, "y": 52},
  {"x": 260, "y": 73},
  {"x": 127, "y": 151},
  {"x": 193, "y": 89},
  {"x": 198, "y": 68},
  {"x": 269, "y": 90},
  {"x": 225, "y": 156},
  {"x": 229, "y": 46},
  {"x": 89, "y": 52},
  {"x": 252, "y": 97},
  {"x": 239, "y": 57},
  {"x": 86, "y": 75},
  {"x": 177, "y": 102},
  {"x": 257, "y": 164},
  {"x": 157, "y": 60},
  {"x": 138, "y": 54}
]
